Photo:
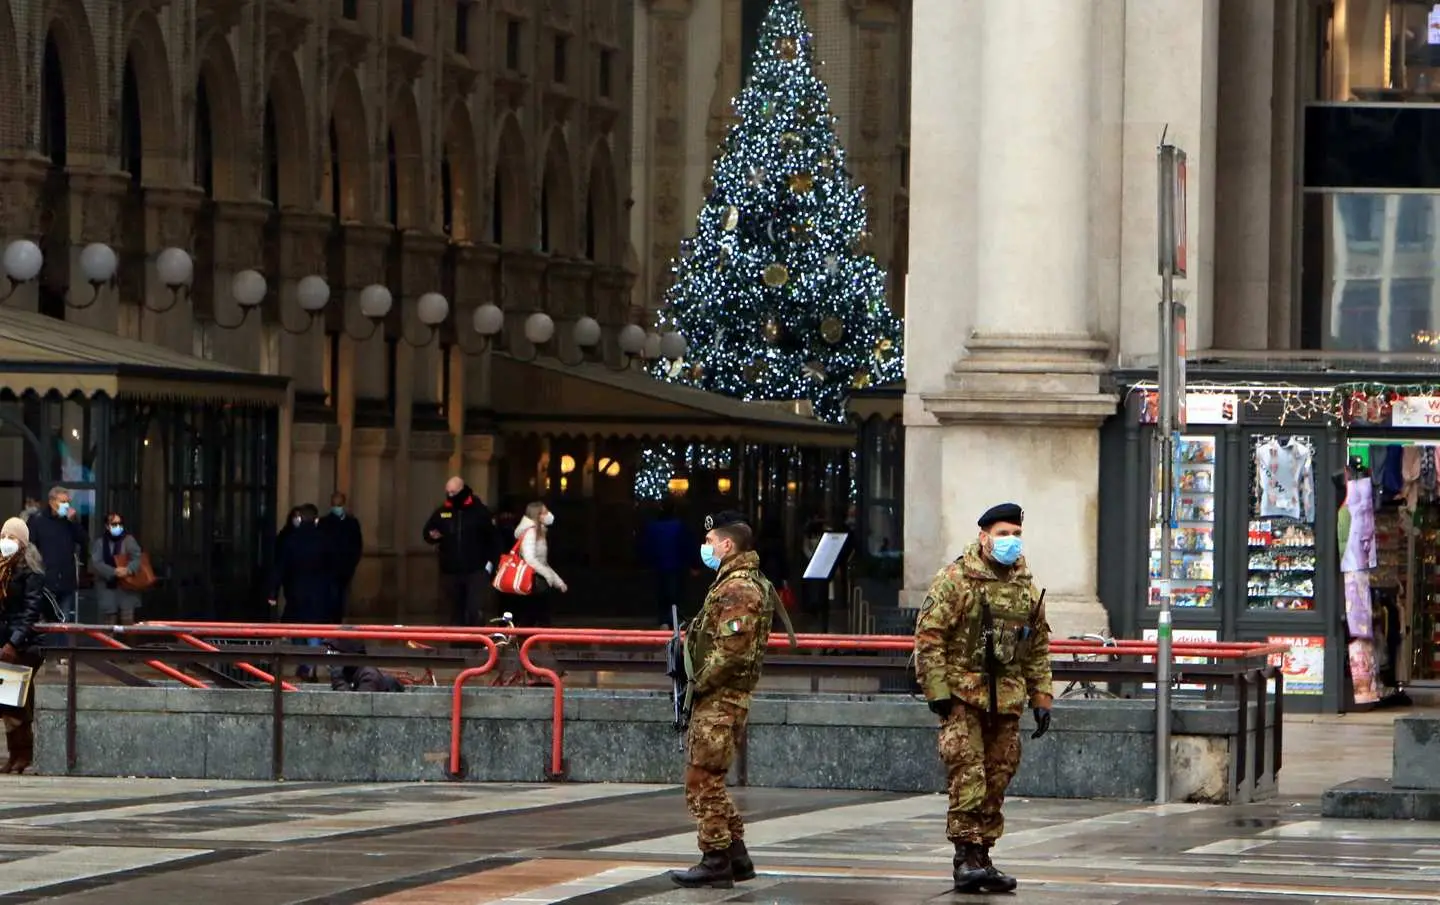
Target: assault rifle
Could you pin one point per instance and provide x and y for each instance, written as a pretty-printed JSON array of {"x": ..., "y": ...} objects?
[{"x": 678, "y": 675}]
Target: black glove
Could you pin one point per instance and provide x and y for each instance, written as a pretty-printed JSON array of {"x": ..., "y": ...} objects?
[
  {"x": 941, "y": 706},
  {"x": 1042, "y": 722}
]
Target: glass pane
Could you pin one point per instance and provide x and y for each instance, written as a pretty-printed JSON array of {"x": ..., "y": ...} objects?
[
  {"x": 1381, "y": 272},
  {"x": 1381, "y": 51},
  {"x": 1192, "y": 541},
  {"x": 1282, "y": 556}
]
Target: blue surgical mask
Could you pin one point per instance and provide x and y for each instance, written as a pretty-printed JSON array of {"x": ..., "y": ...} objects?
[
  {"x": 62, "y": 510},
  {"x": 1005, "y": 550},
  {"x": 709, "y": 557},
  {"x": 117, "y": 530},
  {"x": 337, "y": 511}
]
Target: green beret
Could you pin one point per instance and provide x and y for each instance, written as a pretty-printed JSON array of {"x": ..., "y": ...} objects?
[{"x": 1005, "y": 512}]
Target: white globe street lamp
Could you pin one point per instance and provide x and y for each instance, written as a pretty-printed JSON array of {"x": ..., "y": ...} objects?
[{"x": 22, "y": 262}]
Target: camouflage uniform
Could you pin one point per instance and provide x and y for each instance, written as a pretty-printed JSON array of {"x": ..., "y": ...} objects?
[
  {"x": 725, "y": 648},
  {"x": 980, "y": 739}
]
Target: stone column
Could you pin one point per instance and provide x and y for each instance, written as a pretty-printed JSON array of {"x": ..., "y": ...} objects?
[{"x": 1016, "y": 417}]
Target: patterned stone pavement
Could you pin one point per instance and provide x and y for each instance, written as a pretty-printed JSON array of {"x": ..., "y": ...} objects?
[{"x": 128, "y": 842}]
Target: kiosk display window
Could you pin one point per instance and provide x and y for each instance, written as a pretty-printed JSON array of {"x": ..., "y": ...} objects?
[
  {"x": 1192, "y": 558},
  {"x": 1281, "y": 545}
]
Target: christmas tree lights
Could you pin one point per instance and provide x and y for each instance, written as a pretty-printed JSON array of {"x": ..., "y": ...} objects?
[{"x": 777, "y": 294}]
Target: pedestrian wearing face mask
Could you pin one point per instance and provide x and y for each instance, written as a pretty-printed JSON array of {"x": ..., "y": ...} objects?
[
  {"x": 117, "y": 604},
  {"x": 724, "y": 653},
  {"x": 58, "y": 536},
  {"x": 347, "y": 544},
  {"x": 22, "y": 588},
  {"x": 463, "y": 533},
  {"x": 533, "y": 533},
  {"x": 305, "y": 571},
  {"x": 982, "y": 649}
]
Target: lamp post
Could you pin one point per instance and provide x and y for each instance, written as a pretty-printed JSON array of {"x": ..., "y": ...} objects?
[{"x": 99, "y": 264}]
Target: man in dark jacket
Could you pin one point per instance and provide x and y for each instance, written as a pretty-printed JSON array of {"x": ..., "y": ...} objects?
[
  {"x": 57, "y": 535},
  {"x": 347, "y": 544},
  {"x": 464, "y": 532},
  {"x": 305, "y": 569}
]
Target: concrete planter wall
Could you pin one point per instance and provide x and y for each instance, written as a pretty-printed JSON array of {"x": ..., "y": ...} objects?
[{"x": 1096, "y": 749}]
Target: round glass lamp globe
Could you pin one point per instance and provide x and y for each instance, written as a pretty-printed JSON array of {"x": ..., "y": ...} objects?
[
  {"x": 432, "y": 308},
  {"x": 98, "y": 262},
  {"x": 488, "y": 319},
  {"x": 23, "y": 260},
  {"x": 632, "y": 339},
  {"x": 672, "y": 346},
  {"x": 175, "y": 267},
  {"x": 651, "y": 349},
  {"x": 375, "y": 301},
  {"x": 248, "y": 287},
  {"x": 313, "y": 293},
  {"x": 587, "y": 332},
  {"x": 539, "y": 328}
]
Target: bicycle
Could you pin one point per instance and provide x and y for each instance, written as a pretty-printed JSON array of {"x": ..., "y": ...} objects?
[
  {"x": 509, "y": 671},
  {"x": 1084, "y": 688}
]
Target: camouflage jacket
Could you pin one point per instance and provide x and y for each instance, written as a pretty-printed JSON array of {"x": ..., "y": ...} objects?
[
  {"x": 726, "y": 641},
  {"x": 950, "y": 657}
]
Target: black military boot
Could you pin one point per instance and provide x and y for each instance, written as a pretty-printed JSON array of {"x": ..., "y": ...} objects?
[
  {"x": 740, "y": 864},
  {"x": 969, "y": 871},
  {"x": 713, "y": 871},
  {"x": 995, "y": 880}
]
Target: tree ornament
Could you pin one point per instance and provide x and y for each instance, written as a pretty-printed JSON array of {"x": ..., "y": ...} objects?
[
  {"x": 776, "y": 275},
  {"x": 732, "y": 218},
  {"x": 832, "y": 330},
  {"x": 771, "y": 331},
  {"x": 884, "y": 348},
  {"x": 788, "y": 48},
  {"x": 769, "y": 108},
  {"x": 832, "y": 264},
  {"x": 826, "y": 167},
  {"x": 757, "y": 177},
  {"x": 815, "y": 371},
  {"x": 697, "y": 371},
  {"x": 861, "y": 379},
  {"x": 791, "y": 142},
  {"x": 801, "y": 230},
  {"x": 802, "y": 183}
]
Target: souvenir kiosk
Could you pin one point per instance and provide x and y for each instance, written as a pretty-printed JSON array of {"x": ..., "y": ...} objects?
[{"x": 1307, "y": 515}]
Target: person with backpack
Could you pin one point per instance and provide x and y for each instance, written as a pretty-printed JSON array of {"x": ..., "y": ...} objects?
[
  {"x": 114, "y": 556},
  {"x": 22, "y": 605}
]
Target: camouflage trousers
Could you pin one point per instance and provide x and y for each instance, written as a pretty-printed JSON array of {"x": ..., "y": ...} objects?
[
  {"x": 717, "y": 723},
  {"x": 981, "y": 753}
]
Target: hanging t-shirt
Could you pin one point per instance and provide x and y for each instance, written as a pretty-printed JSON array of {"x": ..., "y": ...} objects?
[
  {"x": 1287, "y": 480},
  {"x": 1359, "y": 553}
]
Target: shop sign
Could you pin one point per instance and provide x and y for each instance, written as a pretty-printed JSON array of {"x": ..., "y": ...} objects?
[
  {"x": 1200, "y": 408},
  {"x": 1180, "y": 637},
  {"x": 1415, "y": 411},
  {"x": 1303, "y": 667}
]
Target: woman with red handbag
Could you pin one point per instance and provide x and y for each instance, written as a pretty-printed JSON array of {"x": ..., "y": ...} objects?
[{"x": 532, "y": 535}]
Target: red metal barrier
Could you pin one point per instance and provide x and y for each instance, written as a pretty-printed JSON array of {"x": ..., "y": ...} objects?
[{"x": 162, "y": 668}]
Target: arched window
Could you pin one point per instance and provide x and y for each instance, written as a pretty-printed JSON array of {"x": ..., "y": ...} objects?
[
  {"x": 131, "y": 144},
  {"x": 447, "y": 196},
  {"x": 204, "y": 141},
  {"x": 270, "y": 178},
  {"x": 752, "y": 15},
  {"x": 334, "y": 170},
  {"x": 392, "y": 180},
  {"x": 53, "y": 129}
]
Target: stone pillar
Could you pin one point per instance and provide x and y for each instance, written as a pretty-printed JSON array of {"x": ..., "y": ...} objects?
[
  {"x": 312, "y": 464},
  {"x": 478, "y": 468},
  {"x": 1016, "y": 417},
  {"x": 374, "y": 451}
]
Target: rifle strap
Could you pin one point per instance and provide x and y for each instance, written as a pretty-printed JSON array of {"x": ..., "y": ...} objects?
[
  {"x": 987, "y": 626},
  {"x": 689, "y": 673},
  {"x": 785, "y": 619}
]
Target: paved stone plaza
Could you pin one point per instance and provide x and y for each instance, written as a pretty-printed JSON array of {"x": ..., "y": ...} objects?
[{"x": 120, "y": 841}]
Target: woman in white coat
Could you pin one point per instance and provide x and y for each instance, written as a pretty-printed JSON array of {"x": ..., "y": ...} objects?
[{"x": 533, "y": 534}]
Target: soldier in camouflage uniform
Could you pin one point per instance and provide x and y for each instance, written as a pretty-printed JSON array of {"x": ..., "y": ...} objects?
[
  {"x": 724, "y": 651},
  {"x": 982, "y": 648}
]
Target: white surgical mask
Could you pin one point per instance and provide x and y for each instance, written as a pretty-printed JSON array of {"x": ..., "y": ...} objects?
[
  {"x": 9, "y": 546},
  {"x": 547, "y": 519}
]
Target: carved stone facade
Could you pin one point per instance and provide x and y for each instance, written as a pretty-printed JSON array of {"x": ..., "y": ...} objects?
[
  {"x": 688, "y": 60},
  {"x": 431, "y": 145}
]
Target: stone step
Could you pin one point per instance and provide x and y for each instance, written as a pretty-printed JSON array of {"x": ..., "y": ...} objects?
[
  {"x": 1417, "y": 753},
  {"x": 1378, "y": 799}
]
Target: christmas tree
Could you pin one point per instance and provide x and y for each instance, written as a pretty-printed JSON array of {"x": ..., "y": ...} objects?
[{"x": 776, "y": 294}]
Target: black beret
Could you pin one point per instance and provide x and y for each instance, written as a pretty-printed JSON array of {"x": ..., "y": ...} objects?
[
  {"x": 1005, "y": 512},
  {"x": 725, "y": 519}
]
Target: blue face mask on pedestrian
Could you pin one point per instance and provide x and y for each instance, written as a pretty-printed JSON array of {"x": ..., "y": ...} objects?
[
  {"x": 1006, "y": 550},
  {"x": 709, "y": 557}
]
